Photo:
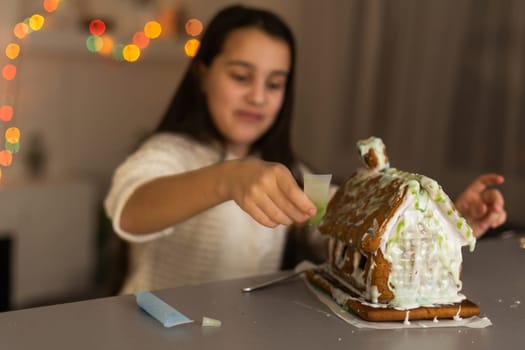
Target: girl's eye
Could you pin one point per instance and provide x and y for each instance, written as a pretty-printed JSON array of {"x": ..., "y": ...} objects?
[
  {"x": 239, "y": 77},
  {"x": 275, "y": 85}
]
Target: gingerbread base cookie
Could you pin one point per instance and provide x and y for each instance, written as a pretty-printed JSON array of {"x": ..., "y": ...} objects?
[{"x": 351, "y": 301}]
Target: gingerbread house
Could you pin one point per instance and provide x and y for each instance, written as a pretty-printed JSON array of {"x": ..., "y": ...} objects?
[{"x": 395, "y": 244}]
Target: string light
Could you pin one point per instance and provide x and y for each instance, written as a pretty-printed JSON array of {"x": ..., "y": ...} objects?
[
  {"x": 36, "y": 22},
  {"x": 97, "y": 27},
  {"x": 107, "y": 45},
  {"x": 6, "y": 113},
  {"x": 94, "y": 43},
  {"x": 6, "y": 158},
  {"x": 98, "y": 41},
  {"x": 191, "y": 47},
  {"x": 9, "y": 72},
  {"x": 12, "y": 51},
  {"x": 51, "y": 6},
  {"x": 152, "y": 29},
  {"x": 101, "y": 43},
  {"x": 131, "y": 52},
  {"x": 141, "y": 40},
  {"x": 21, "y": 30},
  {"x": 193, "y": 27}
]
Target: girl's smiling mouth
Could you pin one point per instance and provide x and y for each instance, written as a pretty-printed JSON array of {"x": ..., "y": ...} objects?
[{"x": 249, "y": 116}]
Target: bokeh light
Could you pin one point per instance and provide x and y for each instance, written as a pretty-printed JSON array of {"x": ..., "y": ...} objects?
[
  {"x": 9, "y": 72},
  {"x": 51, "y": 5},
  {"x": 131, "y": 52},
  {"x": 12, "y": 51},
  {"x": 107, "y": 45},
  {"x": 191, "y": 47},
  {"x": 6, "y": 113},
  {"x": 94, "y": 43},
  {"x": 117, "y": 52},
  {"x": 36, "y": 22},
  {"x": 141, "y": 40},
  {"x": 6, "y": 158},
  {"x": 12, "y": 135},
  {"x": 21, "y": 30},
  {"x": 97, "y": 27},
  {"x": 193, "y": 27},
  {"x": 152, "y": 29},
  {"x": 12, "y": 147}
]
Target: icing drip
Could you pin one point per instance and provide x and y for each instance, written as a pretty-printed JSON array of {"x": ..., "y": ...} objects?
[
  {"x": 457, "y": 316},
  {"x": 406, "y": 321}
]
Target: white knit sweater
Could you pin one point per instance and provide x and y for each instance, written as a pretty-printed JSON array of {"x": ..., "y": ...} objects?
[{"x": 221, "y": 243}]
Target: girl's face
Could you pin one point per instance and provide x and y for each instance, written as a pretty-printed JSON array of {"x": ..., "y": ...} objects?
[{"x": 245, "y": 86}]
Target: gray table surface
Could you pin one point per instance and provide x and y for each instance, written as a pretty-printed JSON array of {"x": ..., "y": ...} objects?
[{"x": 286, "y": 316}]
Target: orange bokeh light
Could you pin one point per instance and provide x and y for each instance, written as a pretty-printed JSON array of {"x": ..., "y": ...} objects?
[
  {"x": 21, "y": 30},
  {"x": 9, "y": 72},
  {"x": 107, "y": 45},
  {"x": 191, "y": 47},
  {"x": 140, "y": 39},
  {"x": 193, "y": 27},
  {"x": 6, "y": 113},
  {"x": 51, "y": 5},
  {"x": 6, "y": 158},
  {"x": 152, "y": 29},
  {"x": 12, "y": 51},
  {"x": 12, "y": 135}
]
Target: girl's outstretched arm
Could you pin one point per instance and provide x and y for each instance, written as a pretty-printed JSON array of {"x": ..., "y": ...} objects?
[{"x": 265, "y": 190}]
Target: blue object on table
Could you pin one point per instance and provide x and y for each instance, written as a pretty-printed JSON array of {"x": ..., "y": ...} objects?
[{"x": 161, "y": 311}]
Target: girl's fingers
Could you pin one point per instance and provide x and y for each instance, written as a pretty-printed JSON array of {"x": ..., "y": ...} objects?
[
  {"x": 499, "y": 220},
  {"x": 297, "y": 197},
  {"x": 272, "y": 211},
  {"x": 288, "y": 207},
  {"x": 258, "y": 215},
  {"x": 494, "y": 199},
  {"x": 493, "y": 219},
  {"x": 482, "y": 182}
]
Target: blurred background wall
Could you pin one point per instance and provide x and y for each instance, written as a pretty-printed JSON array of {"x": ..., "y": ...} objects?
[{"x": 440, "y": 81}]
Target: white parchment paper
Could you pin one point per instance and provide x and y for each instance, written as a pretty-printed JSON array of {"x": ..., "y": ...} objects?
[{"x": 356, "y": 321}]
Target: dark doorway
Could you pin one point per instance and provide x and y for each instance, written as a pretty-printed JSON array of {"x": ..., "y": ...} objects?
[{"x": 5, "y": 271}]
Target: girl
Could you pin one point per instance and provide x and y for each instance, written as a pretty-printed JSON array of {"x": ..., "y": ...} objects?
[{"x": 210, "y": 194}]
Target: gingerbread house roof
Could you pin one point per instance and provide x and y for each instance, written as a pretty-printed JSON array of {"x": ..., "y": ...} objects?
[{"x": 368, "y": 202}]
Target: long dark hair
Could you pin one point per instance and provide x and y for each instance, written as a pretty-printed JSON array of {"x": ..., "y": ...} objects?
[{"x": 188, "y": 112}]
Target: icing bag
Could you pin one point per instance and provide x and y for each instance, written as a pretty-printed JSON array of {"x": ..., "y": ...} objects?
[{"x": 161, "y": 311}]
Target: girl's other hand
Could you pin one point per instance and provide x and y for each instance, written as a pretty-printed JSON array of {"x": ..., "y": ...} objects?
[{"x": 482, "y": 205}]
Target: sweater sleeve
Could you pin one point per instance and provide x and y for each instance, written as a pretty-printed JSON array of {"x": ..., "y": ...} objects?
[{"x": 162, "y": 155}]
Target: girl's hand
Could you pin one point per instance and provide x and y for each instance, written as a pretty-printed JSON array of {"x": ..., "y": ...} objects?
[
  {"x": 268, "y": 192},
  {"x": 482, "y": 205}
]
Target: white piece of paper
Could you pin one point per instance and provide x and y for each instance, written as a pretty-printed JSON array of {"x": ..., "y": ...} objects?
[{"x": 356, "y": 321}]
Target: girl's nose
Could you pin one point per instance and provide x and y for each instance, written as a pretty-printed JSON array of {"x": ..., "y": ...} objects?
[{"x": 257, "y": 93}]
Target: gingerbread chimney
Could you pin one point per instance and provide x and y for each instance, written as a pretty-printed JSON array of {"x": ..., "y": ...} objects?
[{"x": 373, "y": 153}]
